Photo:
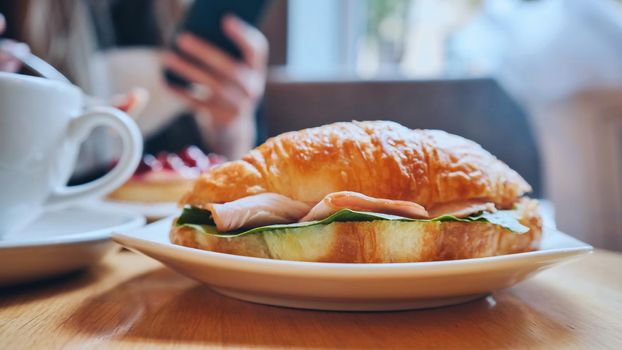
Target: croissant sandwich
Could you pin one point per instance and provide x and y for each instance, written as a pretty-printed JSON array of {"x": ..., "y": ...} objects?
[{"x": 361, "y": 192}]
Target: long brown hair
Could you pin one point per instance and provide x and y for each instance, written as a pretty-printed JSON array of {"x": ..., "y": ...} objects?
[{"x": 63, "y": 32}]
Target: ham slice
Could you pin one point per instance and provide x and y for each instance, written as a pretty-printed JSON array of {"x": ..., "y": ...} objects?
[
  {"x": 336, "y": 201},
  {"x": 258, "y": 210},
  {"x": 273, "y": 208},
  {"x": 461, "y": 209}
]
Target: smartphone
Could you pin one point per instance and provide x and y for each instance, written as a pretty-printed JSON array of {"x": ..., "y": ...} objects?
[{"x": 204, "y": 19}]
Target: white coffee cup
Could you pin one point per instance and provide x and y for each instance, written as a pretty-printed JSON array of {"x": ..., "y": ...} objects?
[{"x": 42, "y": 124}]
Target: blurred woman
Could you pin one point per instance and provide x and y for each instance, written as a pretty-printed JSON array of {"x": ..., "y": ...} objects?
[{"x": 108, "y": 47}]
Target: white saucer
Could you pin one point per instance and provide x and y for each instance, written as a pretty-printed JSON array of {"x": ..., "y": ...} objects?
[
  {"x": 152, "y": 211},
  {"x": 353, "y": 287},
  {"x": 61, "y": 241}
]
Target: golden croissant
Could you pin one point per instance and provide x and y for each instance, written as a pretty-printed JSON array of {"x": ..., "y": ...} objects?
[{"x": 361, "y": 192}]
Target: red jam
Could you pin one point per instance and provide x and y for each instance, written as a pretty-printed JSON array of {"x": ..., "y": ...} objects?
[{"x": 190, "y": 162}]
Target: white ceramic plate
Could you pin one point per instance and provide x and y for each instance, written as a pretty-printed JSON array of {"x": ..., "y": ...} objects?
[
  {"x": 352, "y": 287},
  {"x": 61, "y": 241}
]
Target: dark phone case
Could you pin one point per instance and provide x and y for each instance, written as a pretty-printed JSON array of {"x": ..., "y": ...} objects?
[{"x": 204, "y": 19}]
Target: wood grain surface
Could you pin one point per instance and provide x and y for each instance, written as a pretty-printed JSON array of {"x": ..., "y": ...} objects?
[{"x": 132, "y": 302}]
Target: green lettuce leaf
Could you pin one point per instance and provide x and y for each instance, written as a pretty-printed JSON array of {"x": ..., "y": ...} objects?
[{"x": 202, "y": 221}]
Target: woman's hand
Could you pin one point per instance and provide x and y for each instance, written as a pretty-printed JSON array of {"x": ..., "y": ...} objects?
[
  {"x": 224, "y": 89},
  {"x": 8, "y": 62}
]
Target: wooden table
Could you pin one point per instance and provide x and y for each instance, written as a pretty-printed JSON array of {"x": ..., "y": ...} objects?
[{"x": 130, "y": 301}]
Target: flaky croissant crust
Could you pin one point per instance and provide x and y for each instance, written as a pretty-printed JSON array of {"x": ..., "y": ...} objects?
[{"x": 378, "y": 158}]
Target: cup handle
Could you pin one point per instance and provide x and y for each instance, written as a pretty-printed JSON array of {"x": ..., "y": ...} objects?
[{"x": 131, "y": 139}]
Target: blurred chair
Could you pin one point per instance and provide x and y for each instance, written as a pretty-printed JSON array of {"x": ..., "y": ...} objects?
[{"x": 477, "y": 109}]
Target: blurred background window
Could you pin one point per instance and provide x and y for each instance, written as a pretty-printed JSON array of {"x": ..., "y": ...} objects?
[{"x": 369, "y": 38}]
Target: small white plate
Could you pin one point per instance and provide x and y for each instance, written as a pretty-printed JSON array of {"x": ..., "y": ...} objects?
[
  {"x": 61, "y": 241},
  {"x": 353, "y": 287}
]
